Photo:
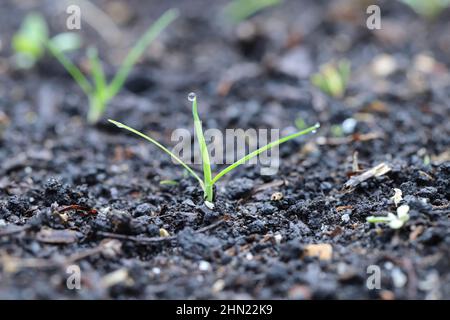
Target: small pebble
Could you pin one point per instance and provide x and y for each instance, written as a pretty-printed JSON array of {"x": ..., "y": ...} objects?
[
  {"x": 156, "y": 270},
  {"x": 399, "y": 278},
  {"x": 278, "y": 237},
  {"x": 384, "y": 65},
  {"x": 204, "y": 266},
  {"x": 163, "y": 233},
  {"x": 277, "y": 196},
  {"x": 345, "y": 217}
]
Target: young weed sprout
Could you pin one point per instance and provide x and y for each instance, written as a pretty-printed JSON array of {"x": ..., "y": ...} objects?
[
  {"x": 208, "y": 181},
  {"x": 333, "y": 78},
  {"x": 29, "y": 42},
  {"x": 99, "y": 92},
  {"x": 392, "y": 220}
]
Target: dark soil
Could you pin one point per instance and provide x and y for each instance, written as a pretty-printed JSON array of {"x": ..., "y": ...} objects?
[{"x": 71, "y": 193}]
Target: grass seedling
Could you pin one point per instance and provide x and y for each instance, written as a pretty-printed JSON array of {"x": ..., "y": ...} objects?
[
  {"x": 240, "y": 10},
  {"x": 208, "y": 181},
  {"x": 30, "y": 41},
  {"x": 429, "y": 9},
  {"x": 99, "y": 91},
  {"x": 394, "y": 221},
  {"x": 333, "y": 78}
]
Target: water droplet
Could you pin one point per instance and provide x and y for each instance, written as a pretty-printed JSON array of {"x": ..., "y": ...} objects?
[
  {"x": 316, "y": 126},
  {"x": 192, "y": 96}
]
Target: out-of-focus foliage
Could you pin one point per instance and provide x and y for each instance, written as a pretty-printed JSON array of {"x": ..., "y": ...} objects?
[
  {"x": 428, "y": 8},
  {"x": 29, "y": 42},
  {"x": 333, "y": 78},
  {"x": 239, "y": 10}
]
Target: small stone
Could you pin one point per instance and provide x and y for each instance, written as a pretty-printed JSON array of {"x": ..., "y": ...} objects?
[
  {"x": 277, "y": 196},
  {"x": 156, "y": 270},
  {"x": 384, "y": 65},
  {"x": 164, "y": 233},
  {"x": 257, "y": 226},
  {"x": 278, "y": 237},
  {"x": 143, "y": 209},
  {"x": 239, "y": 188},
  {"x": 427, "y": 192},
  {"x": 218, "y": 286},
  {"x": 398, "y": 278},
  {"x": 323, "y": 251},
  {"x": 204, "y": 266},
  {"x": 267, "y": 209},
  {"x": 424, "y": 63},
  {"x": 345, "y": 217},
  {"x": 349, "y": 125}
]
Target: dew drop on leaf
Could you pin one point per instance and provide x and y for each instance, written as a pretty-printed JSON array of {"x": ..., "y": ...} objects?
[{"x": 192, "y": 96}]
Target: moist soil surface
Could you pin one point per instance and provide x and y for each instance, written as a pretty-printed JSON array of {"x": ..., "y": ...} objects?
[{"x": 74, "y": 195}]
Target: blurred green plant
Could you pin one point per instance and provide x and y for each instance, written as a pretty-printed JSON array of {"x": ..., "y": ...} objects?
[
  {"x": 29, "y": 42},
  {"x": 429, "y": 9},
  {"x": 239, "y": 10},
  {"x": 333, "y": 78},
  {"x": 208, "y": 181},
  {"x": 100, "y": 92}
]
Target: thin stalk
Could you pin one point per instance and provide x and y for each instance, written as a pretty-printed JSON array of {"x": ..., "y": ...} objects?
[
  {"x": 262, "y": 149},
  {"x": 121, "y": 125},
  {"x": 72, "y": 69},
  {"x": 207, "y": 176},
  {"x": 139, "y": 49}
]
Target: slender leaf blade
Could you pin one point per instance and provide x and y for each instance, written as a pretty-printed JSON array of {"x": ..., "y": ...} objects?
[
  {"x": 262, "y": 149},
  {"x": 137, "y": 51},
  {"x": 72, "y": 69},
  {"x": 159, "y": 145},
  {"x": 207, "y": 176}
]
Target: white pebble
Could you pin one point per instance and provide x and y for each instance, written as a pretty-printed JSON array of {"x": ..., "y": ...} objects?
[
  {"x": 399, "y": 278},
  {"x": 204, "y": 265},
  {"x": 156, "y": 270}
]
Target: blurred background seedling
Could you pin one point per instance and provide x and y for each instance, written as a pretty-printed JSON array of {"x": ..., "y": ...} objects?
[
  {"x": 333, "y": 78},
  {"x": 429, "y": 9},
  {"x": 98, "y": 90},
  {"x": 240, "y": 10},
  {"x": 394, "y": 221},
  {"x": 29, "y": 42}
]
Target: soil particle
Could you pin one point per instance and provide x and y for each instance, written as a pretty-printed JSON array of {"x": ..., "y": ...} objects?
[
  {"x": 198, "y": 246},
  {"x": 239, "y": 188}
]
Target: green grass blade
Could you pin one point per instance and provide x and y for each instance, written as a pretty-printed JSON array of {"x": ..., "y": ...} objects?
[
  {"x": 374, "y": 219},
  {"x": 239, "y": 10},
  {"x": 98, "y": 74},
  {"x": 207, "y": 176},
  {"x": 135, "y": 53},
  {"x": 72, "y": 69},
  {"x": 121, "y": 125},
  {"x": 262, "y": 149}
]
